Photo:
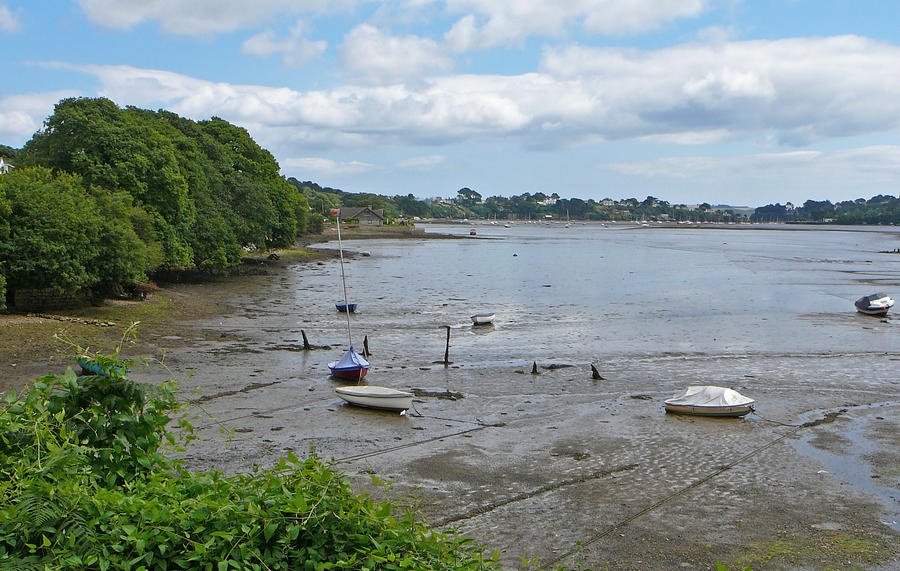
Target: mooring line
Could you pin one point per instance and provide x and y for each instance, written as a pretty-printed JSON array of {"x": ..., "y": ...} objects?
[
  {"x": 675, "y": 494},
  {"x": 348, "y": 459}
]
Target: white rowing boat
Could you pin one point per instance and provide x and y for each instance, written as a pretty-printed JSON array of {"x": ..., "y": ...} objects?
[{"x": 375, "y": 397}]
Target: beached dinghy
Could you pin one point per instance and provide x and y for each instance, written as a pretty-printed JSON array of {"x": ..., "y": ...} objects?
[
  {"x": 376, "y": 397},
  {"x": 875, "y": 304},
  {"x": 483, "y": 318},
  {"x": 705, "y": 400}
]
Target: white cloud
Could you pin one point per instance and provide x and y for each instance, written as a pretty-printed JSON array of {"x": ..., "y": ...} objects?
[
  {"x": 371, "y": 56},
  {"x": 199, "y": 17},
  {"x": 488, "y": 23},
  {"x": 22, "y": 115},
  {"x": 789, "y": 91},
  {"x": 8, "y": 21},
  {"x": 295, "y": 49},
  {"x": 326, "y": 167},
  {"x": 797, "y": 90}
]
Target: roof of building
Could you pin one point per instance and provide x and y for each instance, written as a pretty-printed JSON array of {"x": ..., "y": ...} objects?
[{"x": 357, "y": 211}]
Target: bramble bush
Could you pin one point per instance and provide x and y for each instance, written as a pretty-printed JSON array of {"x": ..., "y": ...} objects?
[{"x": 85, "y": 484}]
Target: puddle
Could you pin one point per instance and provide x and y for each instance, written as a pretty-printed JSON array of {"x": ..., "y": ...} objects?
[{"x": 854, "y": 464}]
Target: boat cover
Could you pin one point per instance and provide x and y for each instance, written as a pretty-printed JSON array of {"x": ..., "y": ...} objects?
[
  {"x": 351, "y": 360},
  {"x": 875, "y": 300},
  {"x": 705, "y": 395}
]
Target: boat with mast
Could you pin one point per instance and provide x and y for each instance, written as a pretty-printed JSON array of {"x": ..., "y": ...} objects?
[{"x": 352, "y": 366}]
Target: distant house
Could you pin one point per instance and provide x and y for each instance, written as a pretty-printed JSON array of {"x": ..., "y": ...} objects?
[
  {"x": 5, "y": 166},
  {"x": 366, "y": 215}
]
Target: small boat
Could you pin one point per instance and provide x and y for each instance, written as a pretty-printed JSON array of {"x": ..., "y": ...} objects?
[
  {"x": 376, "y": 397},
  {"x": 352, "y": 366},
  {"x": 875, "y": 304},
  {"x": 483, "y": 318},
  {"x": 472, "y": 232},
  {"x": 705, "y": 400},
  {"x": 343, "y": 307}
]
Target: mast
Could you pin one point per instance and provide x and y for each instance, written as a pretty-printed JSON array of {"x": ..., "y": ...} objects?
[{"x": 343, "y": 276}]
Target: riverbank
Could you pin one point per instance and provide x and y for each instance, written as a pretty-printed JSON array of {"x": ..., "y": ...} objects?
[{"x": 555, "y": 466}]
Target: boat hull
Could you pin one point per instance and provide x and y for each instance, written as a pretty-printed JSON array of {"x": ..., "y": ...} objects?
[
  {"x": 483, "y": 319},
  {"x": 877, "y": 304},
  {"x": 720, "y": 411},
  {"x": 348, "y": 374},
  {"x": 342, "y": 307},
  {"x": 376, "y": 397}
]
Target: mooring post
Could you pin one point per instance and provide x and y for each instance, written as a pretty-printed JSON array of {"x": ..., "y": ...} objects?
[
  {"x": 534, "y": 369},
  {"x": 595, "y": 374},
  {"x": 447, "y": 347},
  {"x": 366, "y": 346},
  {"x": 305, "y": 340}
]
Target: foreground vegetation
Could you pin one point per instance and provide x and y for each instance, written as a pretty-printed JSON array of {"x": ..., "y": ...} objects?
[{"x": 86, "y": 484}]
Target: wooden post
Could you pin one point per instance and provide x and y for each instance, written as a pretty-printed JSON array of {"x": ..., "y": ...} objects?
[
  {"x": 366, "y": 346},
  {"x": 595, "y": 374},
  {"x": 447, "y": 348},
  {"x": 306, "y": 346},
  {"x": 534, "y": 369}
]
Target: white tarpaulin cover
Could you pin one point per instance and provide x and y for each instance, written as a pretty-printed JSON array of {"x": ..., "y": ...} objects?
[{"x": 705, "y": 395}]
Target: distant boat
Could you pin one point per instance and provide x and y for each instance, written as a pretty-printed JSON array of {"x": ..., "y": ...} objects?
[
  {"x": 351, "y": 367},
  {"x": 875, "y": 304},
  {"x": 472, "y": 232},
  {"x": 705, "y": 400},
  {"x": 483, "y": 318},
  {"x": 376, "y": 397},
  {"x": 342, "y": 307}
]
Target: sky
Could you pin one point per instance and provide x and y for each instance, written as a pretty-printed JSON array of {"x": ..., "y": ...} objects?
[{"x": 740, "y": 102}]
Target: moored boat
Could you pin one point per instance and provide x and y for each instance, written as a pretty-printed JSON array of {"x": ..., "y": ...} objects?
[
  {"x": 371, "y": 396},
  {"x": 352, "y": 366},
  {"x": 706, "y": 400},
  {"x": 875, "y": 304},
  {"x": 483, "y": 318},
  {"x": 343, "y": 307}
]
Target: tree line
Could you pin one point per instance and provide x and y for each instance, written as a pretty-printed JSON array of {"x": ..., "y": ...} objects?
[
  {"x": 102, "y": 197},
  {"x": 880, "y": 209}
]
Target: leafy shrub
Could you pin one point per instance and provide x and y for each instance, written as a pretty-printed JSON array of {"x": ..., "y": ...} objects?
[{"x": 84, "y": 484}]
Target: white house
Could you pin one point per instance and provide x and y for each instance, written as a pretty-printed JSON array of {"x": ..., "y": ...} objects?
[{"x": 5, "y": 166}]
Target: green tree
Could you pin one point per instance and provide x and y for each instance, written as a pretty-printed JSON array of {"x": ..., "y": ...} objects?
[{"x": 53, "y": 231}]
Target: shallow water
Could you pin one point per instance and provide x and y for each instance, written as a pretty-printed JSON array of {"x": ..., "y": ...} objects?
[{"x": 591, "y": 291}]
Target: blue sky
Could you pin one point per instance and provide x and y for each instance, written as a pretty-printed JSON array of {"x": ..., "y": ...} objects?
[{"x": 721, "y": 101}]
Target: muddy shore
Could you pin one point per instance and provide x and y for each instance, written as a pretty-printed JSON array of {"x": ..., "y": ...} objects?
[{"x": 591, "y": 474}]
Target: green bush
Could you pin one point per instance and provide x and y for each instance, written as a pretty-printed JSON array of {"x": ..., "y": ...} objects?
[{"x": 85, "y": 484}]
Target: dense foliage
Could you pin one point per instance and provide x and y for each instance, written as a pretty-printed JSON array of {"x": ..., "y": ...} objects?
[
  {"x": 101, "y": 196},
  {"x": 57, "y": 233},
  {"x": 85, "y": 484}
]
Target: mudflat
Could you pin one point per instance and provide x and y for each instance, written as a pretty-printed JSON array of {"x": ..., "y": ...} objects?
[{"x": 539, "y": 461}]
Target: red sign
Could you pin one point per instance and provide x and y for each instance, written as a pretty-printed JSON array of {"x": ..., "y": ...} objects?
[{"x": 334, "y": 212}]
